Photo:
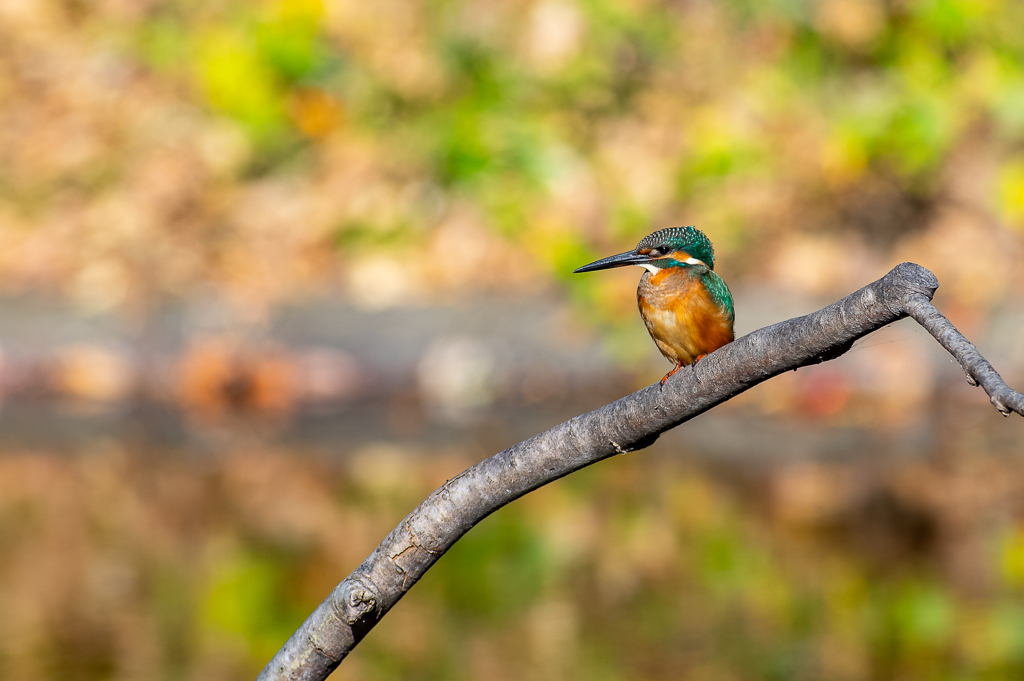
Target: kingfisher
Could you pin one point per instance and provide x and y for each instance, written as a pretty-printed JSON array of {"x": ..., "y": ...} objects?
[{"x": 686, "y": 307}]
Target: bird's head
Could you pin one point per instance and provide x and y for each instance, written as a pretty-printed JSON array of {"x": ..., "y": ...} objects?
[{"x": 664, "y": 249}]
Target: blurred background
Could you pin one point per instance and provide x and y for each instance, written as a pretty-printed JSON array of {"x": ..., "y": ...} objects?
[{"x": 270, "y": 272}]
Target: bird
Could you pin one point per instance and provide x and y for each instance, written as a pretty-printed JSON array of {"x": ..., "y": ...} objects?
[{"x": 687, "y": 308}]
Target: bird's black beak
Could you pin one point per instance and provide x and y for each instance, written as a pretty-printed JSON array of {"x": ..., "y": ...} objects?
[{"x": 620, "y": 260}]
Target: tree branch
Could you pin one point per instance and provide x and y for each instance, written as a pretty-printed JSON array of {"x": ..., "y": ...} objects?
[{"x": 628, "y": 424}]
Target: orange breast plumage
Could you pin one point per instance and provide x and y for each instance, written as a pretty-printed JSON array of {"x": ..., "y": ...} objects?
[{"x": 681, "y": 315}]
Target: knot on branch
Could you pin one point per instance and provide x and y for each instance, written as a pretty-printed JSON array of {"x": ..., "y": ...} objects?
[
  {"x": 637, "y": 444},
  {"x": 1007, "y": 401},
  {"x": 355, "y": 599},
  {"x": 833, "y": 353}
]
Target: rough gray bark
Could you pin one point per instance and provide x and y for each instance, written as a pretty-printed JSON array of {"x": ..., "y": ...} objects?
[{"x": 628, "y": 424}]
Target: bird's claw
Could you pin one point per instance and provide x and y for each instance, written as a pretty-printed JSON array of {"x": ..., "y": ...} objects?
[
  {"x": 666, "y": 376},
  {"x": 680, "y": 366}
]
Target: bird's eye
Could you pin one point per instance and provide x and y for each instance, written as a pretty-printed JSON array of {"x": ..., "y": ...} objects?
[{"x": 662, "y": 250}]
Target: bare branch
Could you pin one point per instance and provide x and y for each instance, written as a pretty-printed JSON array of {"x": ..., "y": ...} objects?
[
  {"x": 628, "y": 424},
  {"x": 977, "y": 368}
]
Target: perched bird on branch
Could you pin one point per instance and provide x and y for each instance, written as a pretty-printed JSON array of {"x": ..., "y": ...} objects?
[{"x": 687, "y": 308}]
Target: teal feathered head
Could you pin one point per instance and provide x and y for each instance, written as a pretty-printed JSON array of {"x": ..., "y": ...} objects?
[{"x": 679, "y": 240}]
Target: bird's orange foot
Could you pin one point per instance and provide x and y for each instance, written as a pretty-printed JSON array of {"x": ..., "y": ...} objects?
[
  {"x": 665, "y": 378},
  {"x": 699, "y": 357}
]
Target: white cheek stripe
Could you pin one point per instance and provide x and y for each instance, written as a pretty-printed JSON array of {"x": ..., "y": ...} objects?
[{"x": 654, "y": 270}]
